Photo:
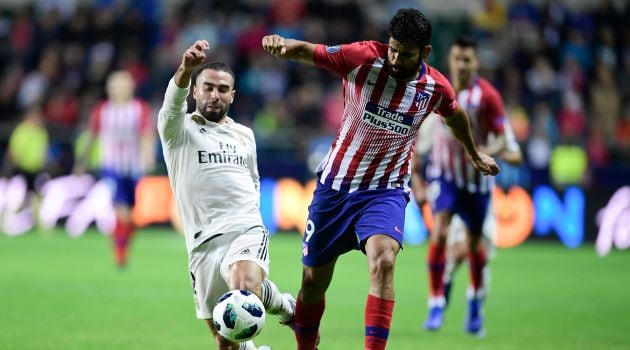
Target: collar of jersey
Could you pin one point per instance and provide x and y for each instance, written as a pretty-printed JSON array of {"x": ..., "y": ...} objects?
[
  {"x": 423, "y": 71},
  {"x": 200, "y": 120}
]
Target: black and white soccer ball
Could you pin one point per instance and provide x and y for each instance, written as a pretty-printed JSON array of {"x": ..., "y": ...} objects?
[{"x": 239, "y": 315}]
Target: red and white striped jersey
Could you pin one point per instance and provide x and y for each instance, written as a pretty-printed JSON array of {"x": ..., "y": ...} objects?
[
  {"x": 448, "y": 158},
  {"x": 381, "y": 117},
  {"x": 119, "y": 128}
]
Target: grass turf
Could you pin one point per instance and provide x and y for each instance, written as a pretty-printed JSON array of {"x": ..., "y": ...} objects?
[{"x": 63, "y": 293}]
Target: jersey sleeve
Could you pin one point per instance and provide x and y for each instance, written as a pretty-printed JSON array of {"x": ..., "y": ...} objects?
[
  {"x": 492, "y": 108},
  {"x": 341, "y": 59},
  {"x": 447, "y": 103},
  {"x": 171, "y": 115}
]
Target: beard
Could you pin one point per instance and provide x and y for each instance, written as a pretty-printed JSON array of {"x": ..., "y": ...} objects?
[
  {"x": 403, "y": 73},
  {"x": 213, "y": 115}
]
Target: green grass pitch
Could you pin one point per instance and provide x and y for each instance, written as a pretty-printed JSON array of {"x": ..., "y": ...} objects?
[{"x": 62, "y": 293}]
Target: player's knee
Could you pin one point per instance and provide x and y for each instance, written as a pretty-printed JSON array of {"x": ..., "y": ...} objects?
[
  {"x": 246, "y": 283},
  {"x": 310, "y": 281},
  {"x": 382, "y": 262},
  {"x": 474, "y": 242},
  {"x": 440, "y": 235},
  {"x": 244, "y": 275},
  {"x": 313, "y": 286}
]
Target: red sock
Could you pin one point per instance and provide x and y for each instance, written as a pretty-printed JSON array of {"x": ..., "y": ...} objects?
[
  {"x": 307, "y": 318},
  {"x": 378, "y": 317},
  {"x": 477, "y": 262},
  {"x": 437, "y": 263},
  {"x": 121, "y": 236}
]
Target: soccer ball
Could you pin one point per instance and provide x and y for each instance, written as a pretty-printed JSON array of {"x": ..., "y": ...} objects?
[{"x": 239, "y": 315}]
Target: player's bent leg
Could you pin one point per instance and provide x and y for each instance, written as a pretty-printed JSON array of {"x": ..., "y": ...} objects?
[
  {"x": 456, "y": 253},
  {"x": 122, "y": 234},
  {"x": 311, "y": 303},
  {"x": 381, "y": 251},
  {"x": 436, "y": 259},
  {"x": 246, "y": 275},
  {"x": 276, "y": 303},
  {"x": 476, "y": 292}
]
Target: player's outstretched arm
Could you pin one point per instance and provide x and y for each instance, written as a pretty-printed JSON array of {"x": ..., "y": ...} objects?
[
  {"x": 460, "y": 126},
  {"x": 191, "y": 59},
  {"x": 290, "y": 49},
  {"x": 418, "y": 184}
]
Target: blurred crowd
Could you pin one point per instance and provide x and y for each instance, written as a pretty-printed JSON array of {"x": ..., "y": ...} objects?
[{"x": 563, "y": 71}]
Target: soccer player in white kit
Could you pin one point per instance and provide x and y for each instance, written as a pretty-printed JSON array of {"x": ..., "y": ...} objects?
[{"x": 212, "y": 169}]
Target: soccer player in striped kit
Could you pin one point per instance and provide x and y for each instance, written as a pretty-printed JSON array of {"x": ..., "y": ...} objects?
[
  {"x": 457, "y": 187},
  {"x": 123, "y": 127},
  {"x": 213, "y": 171},
  {"x": 362, "y": 192}
]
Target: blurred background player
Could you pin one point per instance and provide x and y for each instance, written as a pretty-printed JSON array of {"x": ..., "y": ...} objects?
[
  {"x": 213, "y": 171},
  {"x": 362, "y": 192},
  {"x": 123, "y": 127},
  {"x": 455, "y": 187},
  {"x": 457, "y": 241}
]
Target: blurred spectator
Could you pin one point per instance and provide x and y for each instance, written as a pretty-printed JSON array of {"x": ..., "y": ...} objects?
[
  {"x": 622, "y": 135},
  {"x": 571, "y": 117},
  {"x": 62, "y": 107},
  {"x": 569, "y": 165},
  {"x": 576, "y": 48},
  {"x": 332, "y": 110},
  {"x": 28, "y": 148},
  {"x": 542, "y": 81},
  {"x": 540, "y": 144},
  {"x": 597, "y": 148},
  {"x": 605, "y": 102},
  {"x": 489, "y": 16}
]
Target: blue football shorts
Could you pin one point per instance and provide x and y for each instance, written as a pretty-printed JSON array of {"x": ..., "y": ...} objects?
[
  {"x": 444, "y": 195},
  {"x": 123, "y": 187},
  {"x": 339, "y": 222}
]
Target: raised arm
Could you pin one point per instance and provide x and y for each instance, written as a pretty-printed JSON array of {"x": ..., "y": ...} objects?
[
  {"x": 174, "y": 107},
  {"x": 460, "y": 126},
  {"x": 290, "y": 49},
  {"x": 191, "y": 59}
]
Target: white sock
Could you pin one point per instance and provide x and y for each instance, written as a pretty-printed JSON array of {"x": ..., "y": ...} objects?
[
  {"x": 277, "y": 303},
  {"x": 248, "y": 345},
  {"x": 437, "y": 301}
]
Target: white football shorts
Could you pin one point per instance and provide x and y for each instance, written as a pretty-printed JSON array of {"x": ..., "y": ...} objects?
[{"x": 209, "y": 264}]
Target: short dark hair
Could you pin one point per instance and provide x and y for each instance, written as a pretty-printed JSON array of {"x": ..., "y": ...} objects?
[
  {"x": 218, "y": 66},
  {"x": 410, "y": 26},
  {"x": 465, "y": 42}
]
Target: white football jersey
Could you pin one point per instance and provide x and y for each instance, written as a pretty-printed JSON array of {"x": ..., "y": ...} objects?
[{"x": 212, "y": 170}]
